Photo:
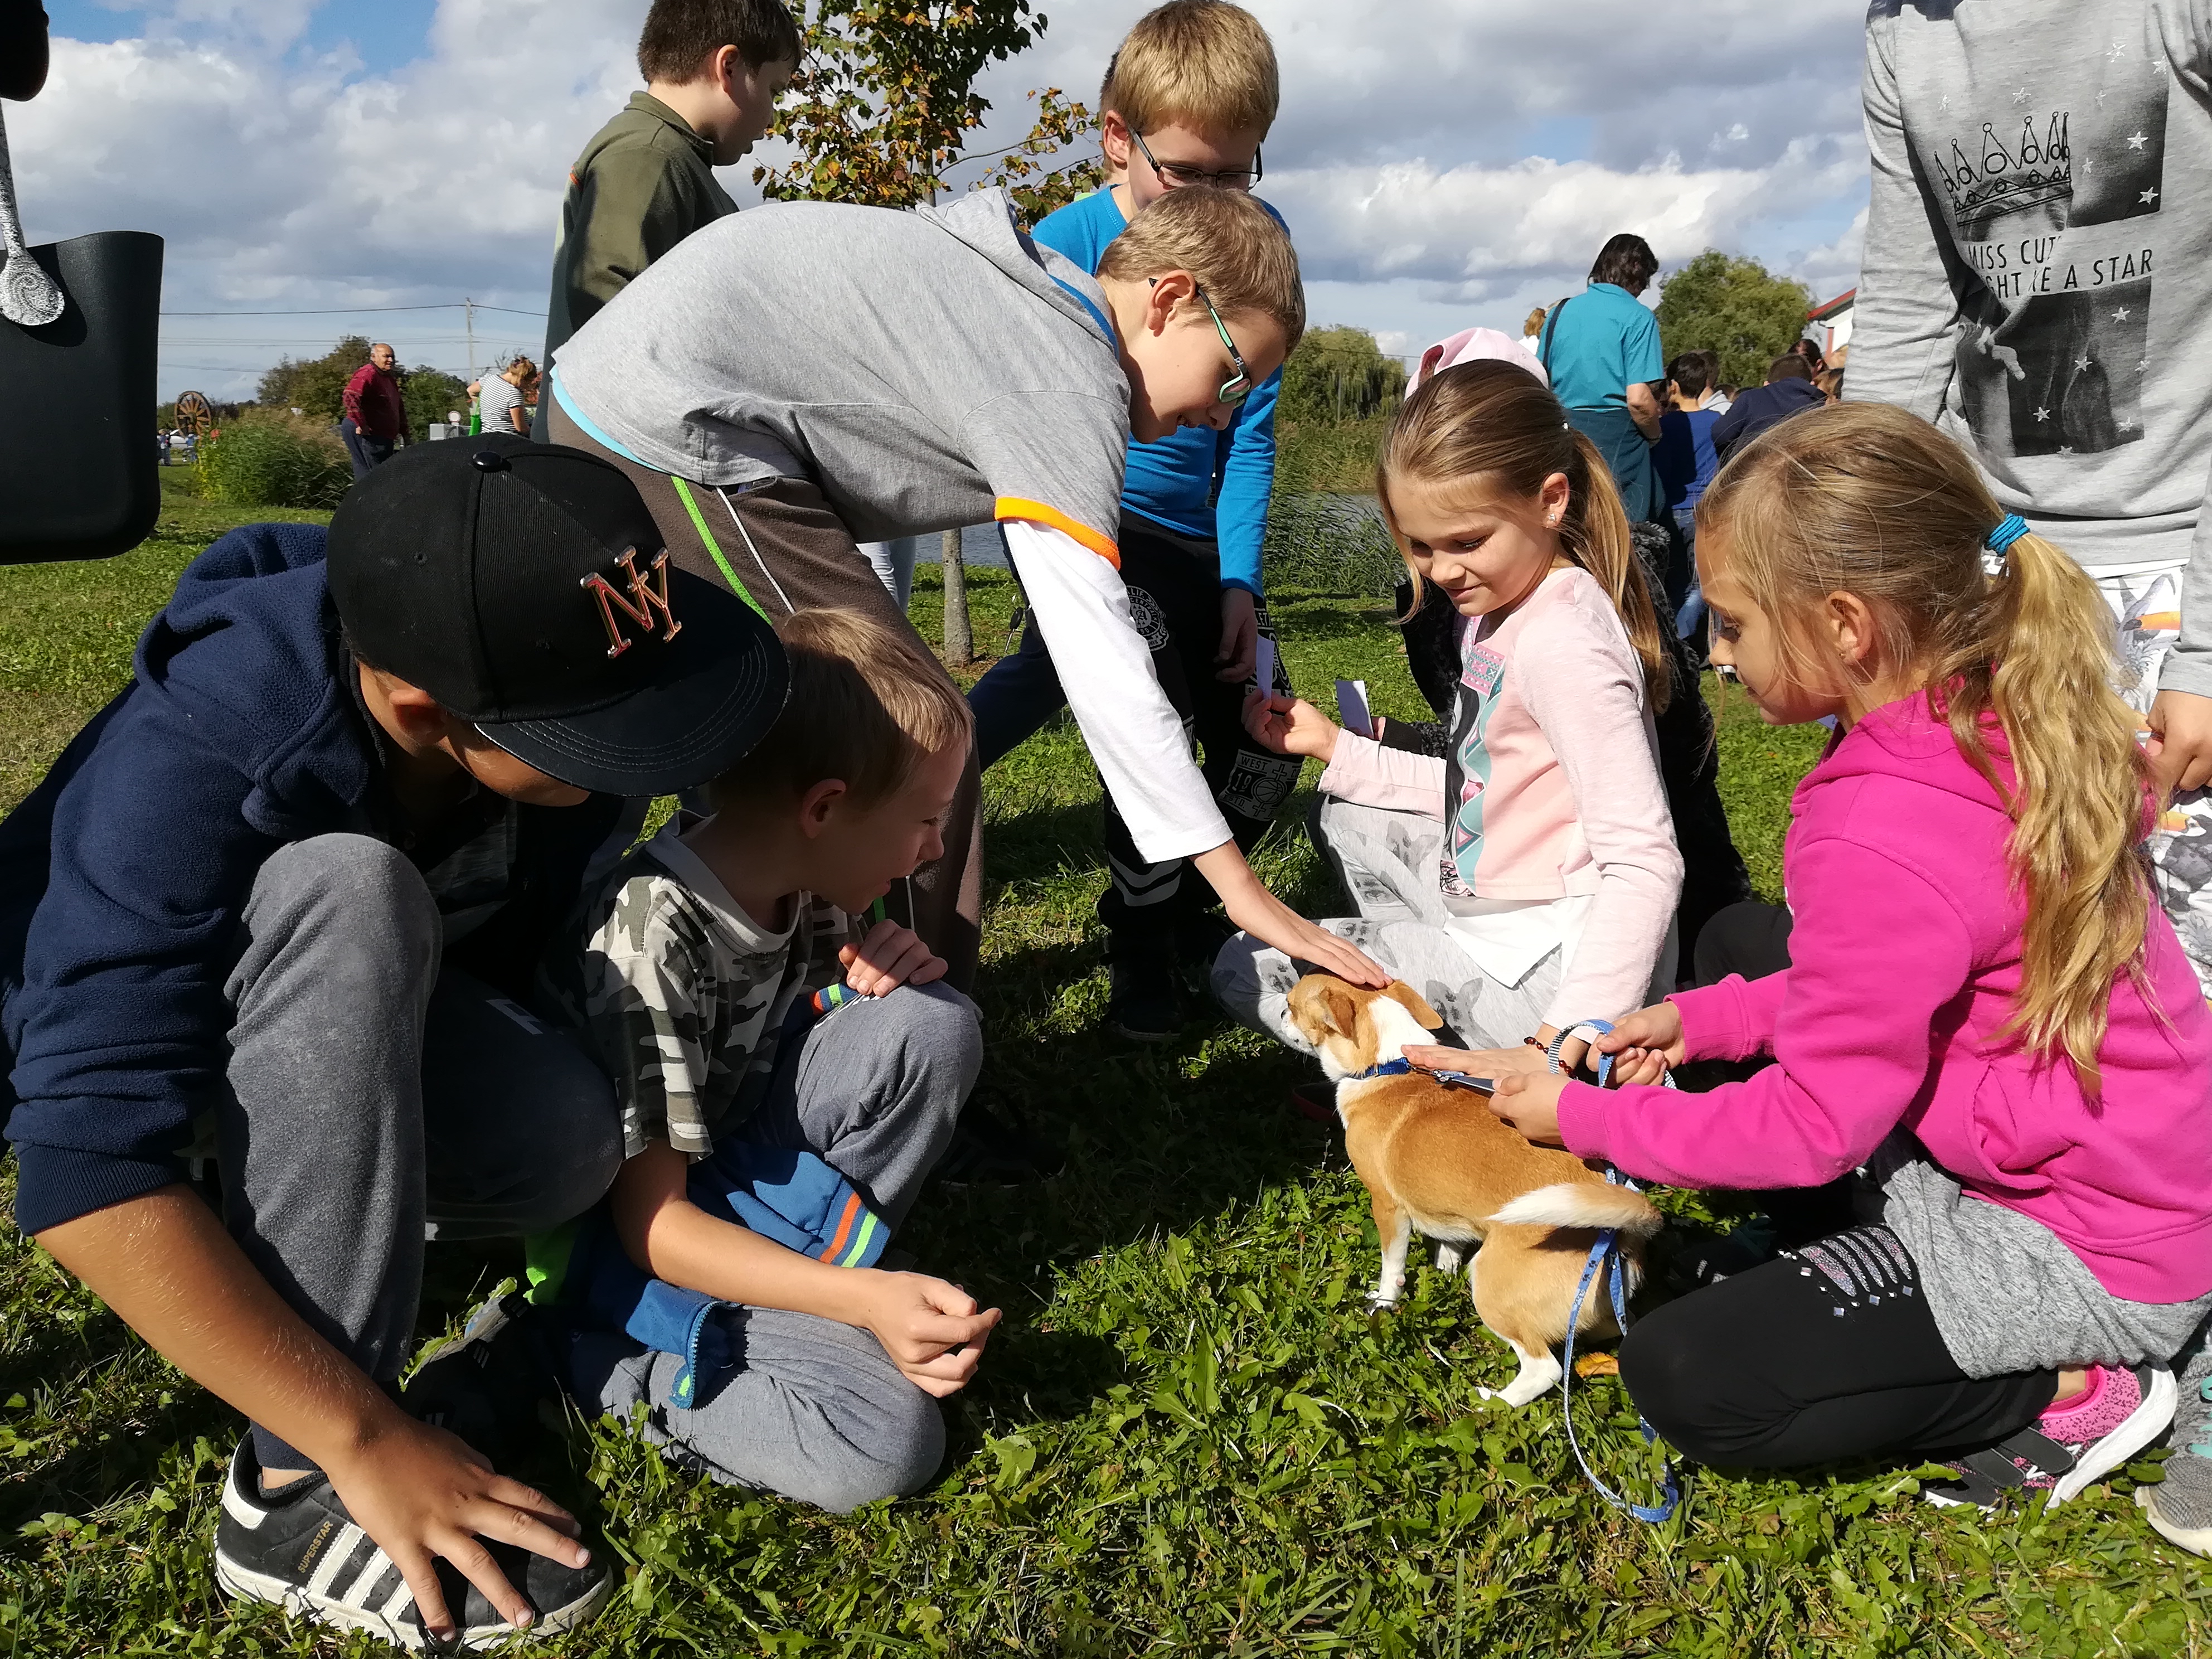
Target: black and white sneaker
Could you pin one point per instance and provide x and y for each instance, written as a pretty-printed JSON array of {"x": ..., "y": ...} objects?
[{"x": 301, "y": 1550}]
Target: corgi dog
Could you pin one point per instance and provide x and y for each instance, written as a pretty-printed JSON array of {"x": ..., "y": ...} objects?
[{"x": 1436, "y": 1159}]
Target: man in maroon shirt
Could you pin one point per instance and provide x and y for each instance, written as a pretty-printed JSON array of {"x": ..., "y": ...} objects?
[{"x": 374, "y": 415}]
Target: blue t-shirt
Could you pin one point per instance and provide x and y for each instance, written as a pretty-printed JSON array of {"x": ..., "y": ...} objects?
[
  {"x": 1173, "y": 482},
  {"x": 1685, "y": 455},
  {"x": 1604, "y": 343}
]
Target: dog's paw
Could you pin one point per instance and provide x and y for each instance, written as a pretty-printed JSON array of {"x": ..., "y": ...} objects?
[{"x": 1379, "y": 1303}]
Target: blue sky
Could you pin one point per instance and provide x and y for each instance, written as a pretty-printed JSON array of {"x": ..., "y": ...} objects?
[{"x": 1441, "y": 162}]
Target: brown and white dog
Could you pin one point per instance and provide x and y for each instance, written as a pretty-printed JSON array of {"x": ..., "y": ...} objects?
[{"x": 1438, "y": 1159}]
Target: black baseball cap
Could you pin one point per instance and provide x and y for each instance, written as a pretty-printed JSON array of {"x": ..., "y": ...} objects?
[{"x": 525, "y": 588}]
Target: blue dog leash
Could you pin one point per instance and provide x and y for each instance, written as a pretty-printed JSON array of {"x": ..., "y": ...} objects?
[{"x": 1606, "y": 1251}]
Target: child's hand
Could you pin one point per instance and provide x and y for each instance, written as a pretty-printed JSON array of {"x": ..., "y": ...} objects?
[
  {"x": 1645, "y": 1045},
  {"x": 890, "y": 957},
  {"x": 922, "y": 1321},
  {"x": 1290, "y": 725},
  {"x": 1529, "y": 1101}
]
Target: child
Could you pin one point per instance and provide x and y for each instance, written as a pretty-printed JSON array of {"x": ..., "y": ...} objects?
[
  {"x": 1527, "y": 879},
  {"x": 1192, "y": 94},
  {"x": 713, "y": 69},
  {"x": 1985, "y": 1013},
  {"x": 694, "y": 956},
  {"x": 810, "y": 373}
]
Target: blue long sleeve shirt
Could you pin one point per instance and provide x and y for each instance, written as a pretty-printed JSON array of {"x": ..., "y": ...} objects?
[{"x": 1173, "y": 483}]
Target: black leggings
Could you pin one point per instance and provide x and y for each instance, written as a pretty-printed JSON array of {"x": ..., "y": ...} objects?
[{"x": 1828, "y": 1352}]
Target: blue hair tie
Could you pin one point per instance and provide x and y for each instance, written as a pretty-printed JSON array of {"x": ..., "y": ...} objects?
[{"x": 2009, "y": 530}]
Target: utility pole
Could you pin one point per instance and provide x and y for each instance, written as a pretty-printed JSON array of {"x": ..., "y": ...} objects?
[{"x": 469, "y": 323}]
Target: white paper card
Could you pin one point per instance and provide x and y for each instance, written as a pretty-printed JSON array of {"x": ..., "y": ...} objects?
[
  {"x": 1263, "y": 667},
  {"x": 1351, "y": 709}
]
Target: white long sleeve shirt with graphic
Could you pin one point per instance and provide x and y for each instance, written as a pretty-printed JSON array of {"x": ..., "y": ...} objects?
[{"x": 2036, "y": 278}]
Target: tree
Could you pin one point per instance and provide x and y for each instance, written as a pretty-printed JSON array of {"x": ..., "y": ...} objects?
[
  {"x": 316, "y": 387},
  {"x": 1340, "y": 374},
  {"x": 880, "y": 113},
  {"x": 1735, "y": 307},
  {"x": 430, "y": 394},
  {"x": 882, "y": 107}
]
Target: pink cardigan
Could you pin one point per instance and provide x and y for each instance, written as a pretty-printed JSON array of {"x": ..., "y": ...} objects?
[
  {"x": 1904, "y": 963},
  {"x": 1570, "y": 801}
]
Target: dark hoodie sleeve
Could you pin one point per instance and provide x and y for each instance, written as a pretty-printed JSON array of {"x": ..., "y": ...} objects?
[
  {"x": 120, "y": 1027},
  {"x": 1731, "y": 424}
]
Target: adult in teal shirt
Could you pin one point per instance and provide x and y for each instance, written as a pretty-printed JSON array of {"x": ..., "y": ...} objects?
[{"x": 1601, "y": 347}]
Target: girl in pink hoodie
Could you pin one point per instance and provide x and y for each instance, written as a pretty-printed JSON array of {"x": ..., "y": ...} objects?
[{"x": 1987, "y": 1027}]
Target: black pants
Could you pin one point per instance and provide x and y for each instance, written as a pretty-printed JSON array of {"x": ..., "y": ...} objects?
[
  {"x": 1175, "y": 598},
  {"x": 367, "y": 451},
  {"x": 1828, "y": 1352}
]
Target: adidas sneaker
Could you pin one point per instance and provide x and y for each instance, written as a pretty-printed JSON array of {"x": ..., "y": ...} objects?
[{"x": 300, "y": 1549}]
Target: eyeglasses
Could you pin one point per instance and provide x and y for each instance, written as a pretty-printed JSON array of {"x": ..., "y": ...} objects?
[
  {"x": 1177, "y": 174},
  {"x": 1238, "y": 386}
]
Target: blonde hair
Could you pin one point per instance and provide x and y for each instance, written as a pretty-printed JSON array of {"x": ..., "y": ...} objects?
[
  {"x": 1204, "y": 65},
  {"x": 867, "y": 707},
  {"x": 1492, "y": 425},
  {"x": 1233, "y": 247},
  {"x": 1868, "y": 500},
  {"x": 1535, "y": 323}
]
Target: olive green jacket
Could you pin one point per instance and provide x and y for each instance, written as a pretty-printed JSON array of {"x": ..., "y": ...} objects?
[{"x": 644, "y": 183}]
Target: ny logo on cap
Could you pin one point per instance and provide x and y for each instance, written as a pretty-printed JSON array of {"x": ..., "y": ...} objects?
[{"x": 639, "y": 607}]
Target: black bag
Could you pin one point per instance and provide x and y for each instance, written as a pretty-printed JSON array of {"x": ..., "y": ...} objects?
[{"x": 79, "y": 477}]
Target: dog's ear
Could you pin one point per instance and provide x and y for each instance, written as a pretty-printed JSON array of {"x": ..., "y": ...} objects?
[
  {"x": 1410, "y": 999},
  {"x": 1321, "y": 1004}
]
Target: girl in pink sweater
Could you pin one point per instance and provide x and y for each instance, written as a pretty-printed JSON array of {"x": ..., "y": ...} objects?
[
  {"x": 1986, "y": 1027},
  {"x": 1527, "y": 877}
]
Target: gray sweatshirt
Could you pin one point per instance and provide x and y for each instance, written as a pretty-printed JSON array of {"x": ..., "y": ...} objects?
[{"x": 2028, "y": 285}]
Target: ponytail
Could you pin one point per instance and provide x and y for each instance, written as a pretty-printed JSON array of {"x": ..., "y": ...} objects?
[
  {"x": 2042, "y": 664},
  {"x": 1492, "y": 419},
  {"x": 1868, "y": 500}
]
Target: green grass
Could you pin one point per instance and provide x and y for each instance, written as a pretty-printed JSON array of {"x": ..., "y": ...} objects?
[{"x": 1188, "y": 1438}]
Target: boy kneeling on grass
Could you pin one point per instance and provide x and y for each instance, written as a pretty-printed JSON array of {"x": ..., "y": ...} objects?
[{"x": 728, "y": 1282}]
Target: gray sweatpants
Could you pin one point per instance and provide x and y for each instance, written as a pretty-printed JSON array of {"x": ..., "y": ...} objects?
[
  {"x": 370, "y": 1097},
  {"x": 812, "y": 1408}
]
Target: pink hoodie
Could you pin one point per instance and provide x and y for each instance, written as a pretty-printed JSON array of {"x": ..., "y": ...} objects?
[{"x": 1903, "y": 962}]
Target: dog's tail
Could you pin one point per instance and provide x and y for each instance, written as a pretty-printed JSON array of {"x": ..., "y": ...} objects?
[{"x": 1584, "y": 1204}]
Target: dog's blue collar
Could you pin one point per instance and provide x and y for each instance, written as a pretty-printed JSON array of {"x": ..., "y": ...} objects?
[{"x": 1397, "y": 1068}]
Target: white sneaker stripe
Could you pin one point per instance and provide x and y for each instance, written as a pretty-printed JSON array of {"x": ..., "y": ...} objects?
[
  {"x": 236, "y": 1505},
  {"x": 358, "y": 1593},
  {"x": 334, "y": 1560},
  {"x": 399, "y": 1602}
]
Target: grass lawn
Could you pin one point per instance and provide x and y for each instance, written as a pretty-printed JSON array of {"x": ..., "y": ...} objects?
[{"x": 1187, "y": 1438}]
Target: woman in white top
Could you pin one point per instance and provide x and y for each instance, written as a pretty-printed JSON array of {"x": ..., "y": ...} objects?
[{"x": 504, "y": 399}]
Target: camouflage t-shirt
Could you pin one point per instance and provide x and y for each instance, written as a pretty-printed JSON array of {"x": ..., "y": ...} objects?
[{"x": 682, "y": 995}]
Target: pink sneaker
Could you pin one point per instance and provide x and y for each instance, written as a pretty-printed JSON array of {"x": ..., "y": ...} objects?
[{"x": 2070, "y": 1445}]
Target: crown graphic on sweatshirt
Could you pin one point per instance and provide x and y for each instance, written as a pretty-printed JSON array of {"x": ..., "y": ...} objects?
[{"x": 2010, "y": 175}]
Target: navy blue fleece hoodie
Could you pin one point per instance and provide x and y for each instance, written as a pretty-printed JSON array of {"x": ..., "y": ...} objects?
[{"x": 123, "y": 876}]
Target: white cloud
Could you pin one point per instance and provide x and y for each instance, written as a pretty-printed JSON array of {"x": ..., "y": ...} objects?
[
  {"x": 1441, "y": 162},
  {"x": 1479, "y": 232}
]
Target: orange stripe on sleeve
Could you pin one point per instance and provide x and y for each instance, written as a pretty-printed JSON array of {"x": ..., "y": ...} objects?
[
  {"x": 1052, "y": 517},
  {"x": 844, "y": 1227}
]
